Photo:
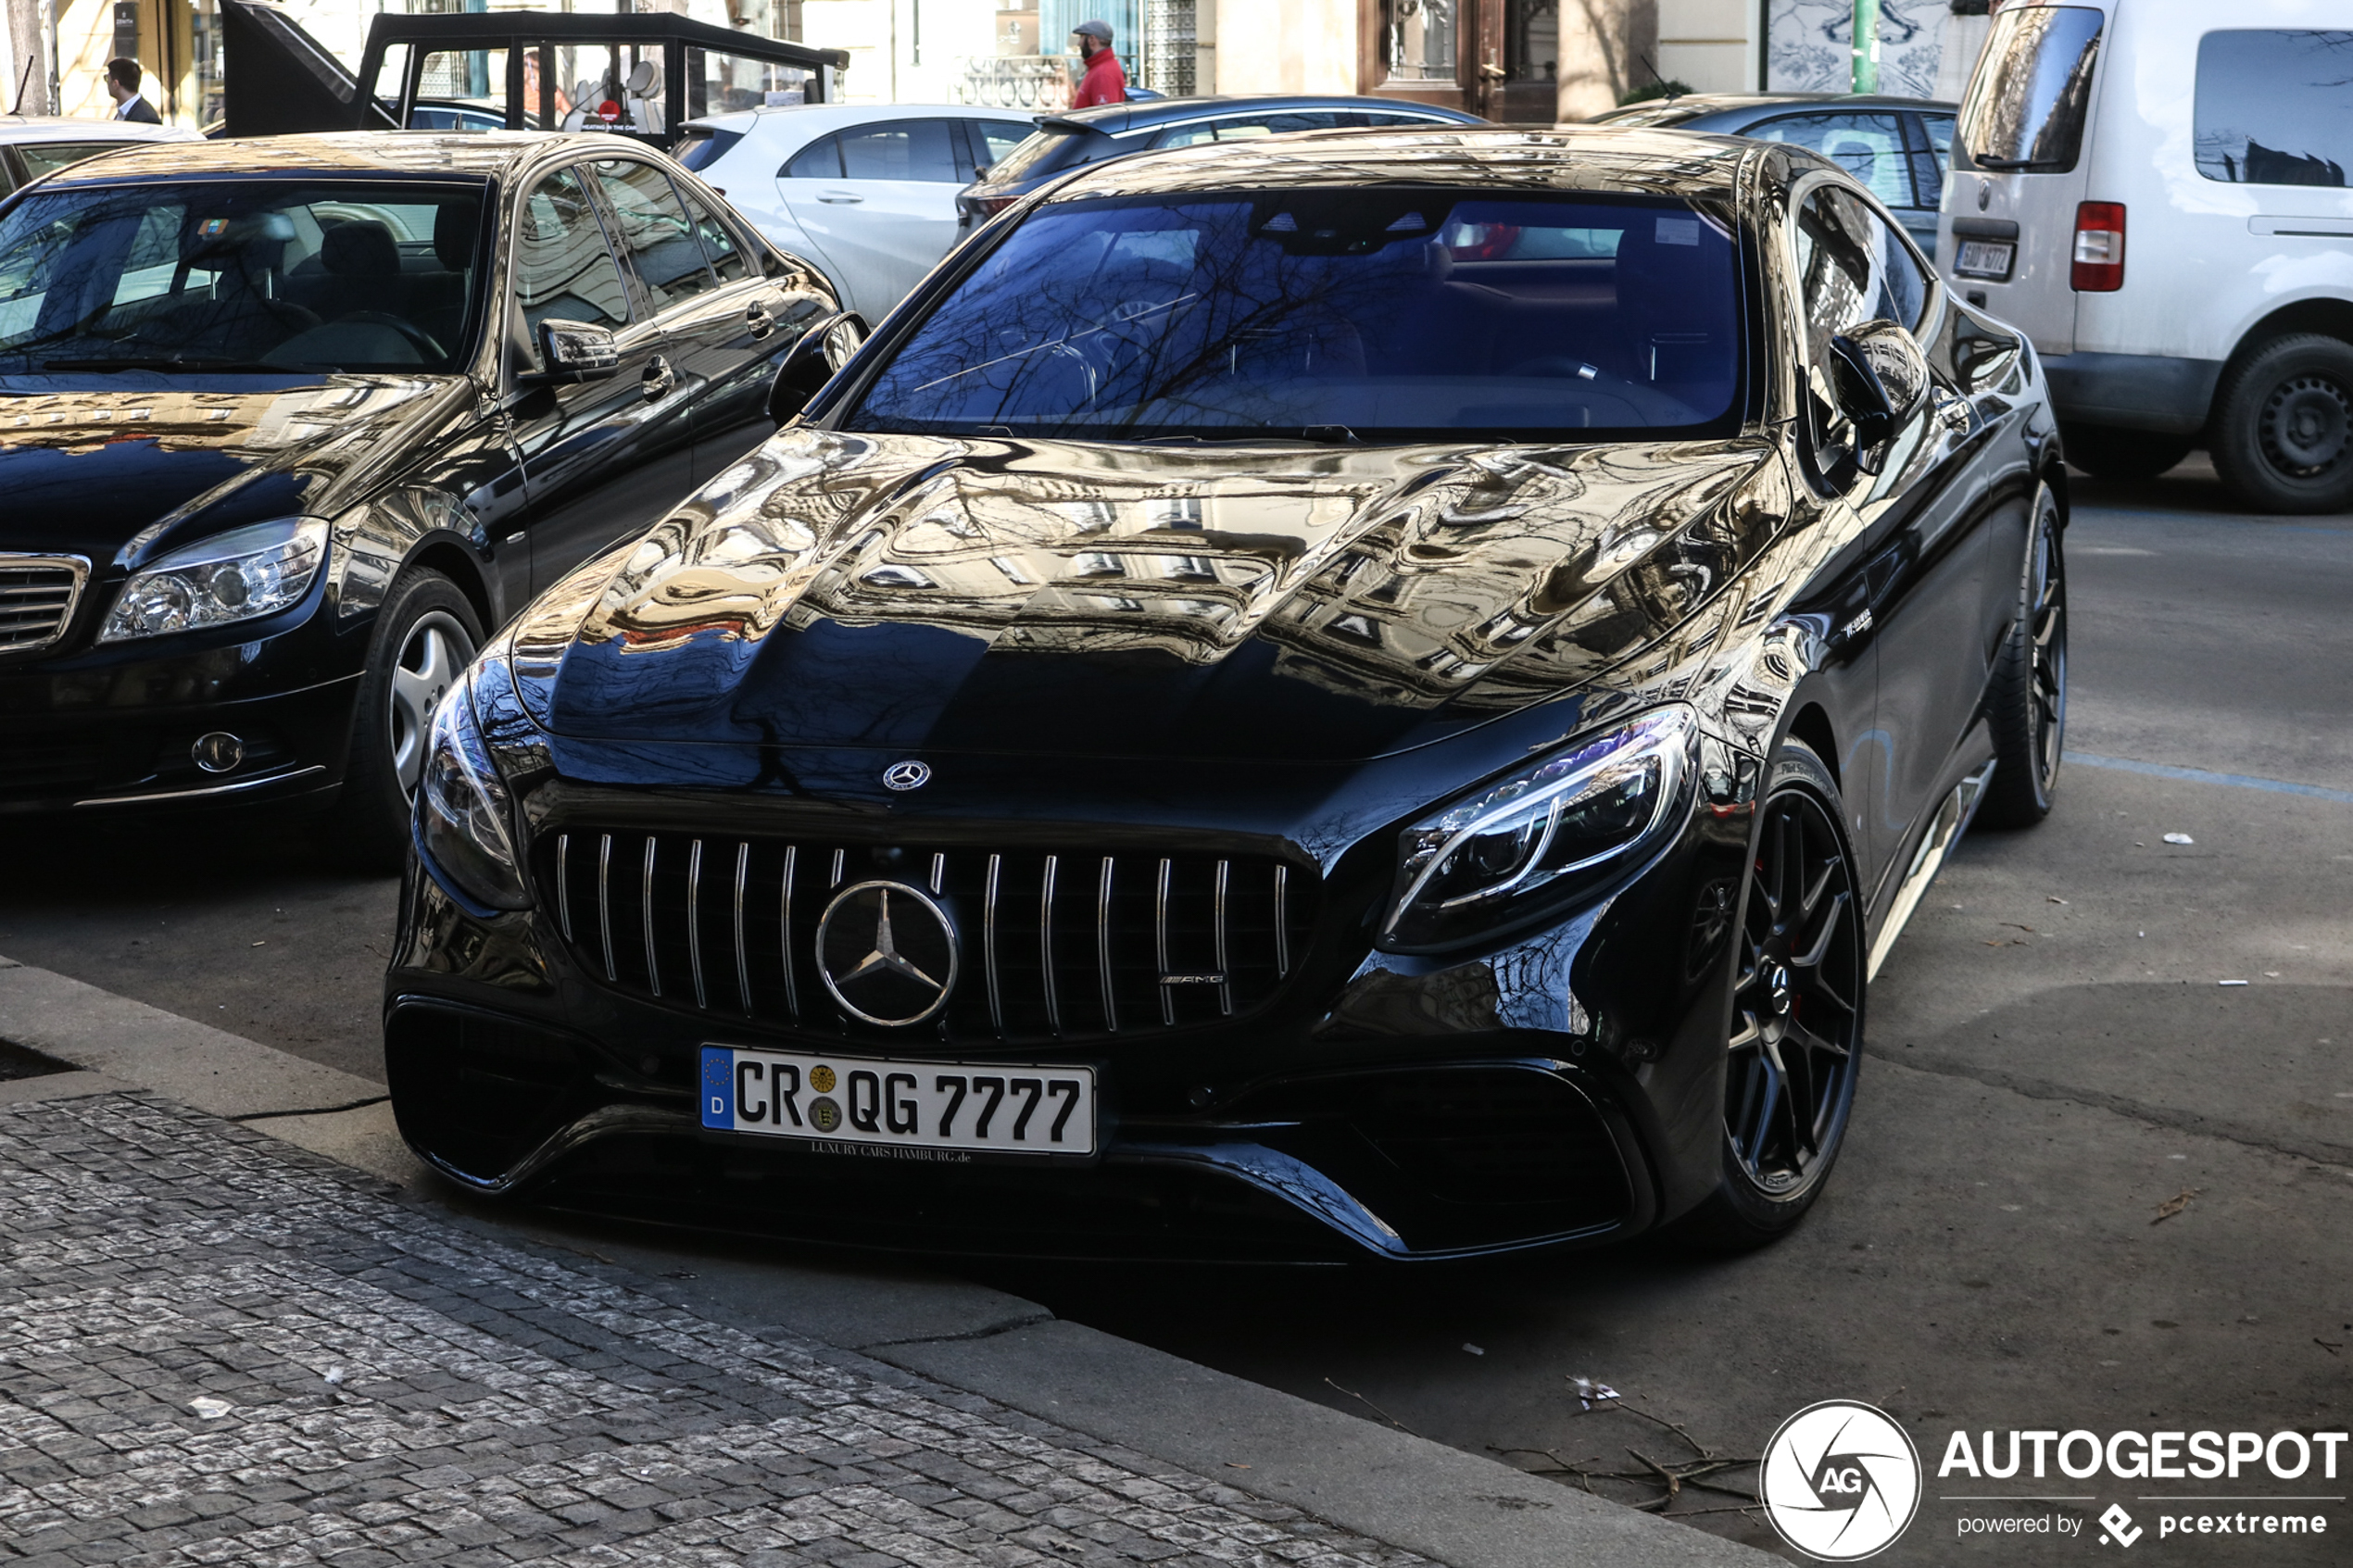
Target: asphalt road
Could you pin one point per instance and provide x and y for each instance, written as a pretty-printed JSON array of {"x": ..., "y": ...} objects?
[{"x": 2054, "y": 1065}]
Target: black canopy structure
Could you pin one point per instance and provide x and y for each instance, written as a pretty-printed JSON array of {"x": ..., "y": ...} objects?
[{"x": 640, "y": 75}]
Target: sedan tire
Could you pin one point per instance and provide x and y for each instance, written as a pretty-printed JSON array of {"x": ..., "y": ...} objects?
[
  {"x": 425, "y": 636},
  {"x": 1797, "y": 1029}
]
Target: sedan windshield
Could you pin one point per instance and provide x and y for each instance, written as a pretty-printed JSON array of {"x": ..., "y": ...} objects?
[
  {"x": 243, "y": 276},
  {"x": 1331, "y": 314}
]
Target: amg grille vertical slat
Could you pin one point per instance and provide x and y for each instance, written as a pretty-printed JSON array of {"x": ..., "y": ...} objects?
[
  {"x": 604, "y": 905},
  {"x": 694, "y": 918},
  {"x": 792, "y": 991},
  {"x": 646, "y": 909},
  {"x": 743, "y": 963},
  {"x": 563, "y": 884},
  {"x": 1046, "y": 947},
  {"x": 1160, "y": 945},
  {"x": 837, "y": 861},
  {"x": 989, "y": 945},
  {"x": 1282, "y": 922},
  {"x": 1103, "y": 946},
  {"x": 938, "y": 871},
  {"x": 1225, "y": 975}
]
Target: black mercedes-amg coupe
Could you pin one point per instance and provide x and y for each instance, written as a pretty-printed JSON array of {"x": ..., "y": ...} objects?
[{"x": 1373, "y": 694}]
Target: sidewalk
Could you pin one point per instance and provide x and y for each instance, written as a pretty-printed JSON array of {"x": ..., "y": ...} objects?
[{"x": 215, "y": 1347}]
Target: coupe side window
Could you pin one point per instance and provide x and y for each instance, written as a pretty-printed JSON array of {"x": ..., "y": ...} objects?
[
  {"x": 654, "y": 230},
  {"x": 1855, "y": 269},
  {"x": 562, "y": 266}
]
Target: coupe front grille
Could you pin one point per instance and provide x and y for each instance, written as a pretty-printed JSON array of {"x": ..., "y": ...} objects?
[
  {"x": 1054, "y": 943},
  {"x": 37, "y": 593}
]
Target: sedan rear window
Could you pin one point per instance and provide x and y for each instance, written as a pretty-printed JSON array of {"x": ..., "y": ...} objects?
[
  {"x": 1325, "y": 314},
  {"x": 2026, "y": 102},
  {"x": 240, "y": 276}
]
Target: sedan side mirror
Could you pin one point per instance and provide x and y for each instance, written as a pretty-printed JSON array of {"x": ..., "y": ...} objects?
[
  {"x": 812, "y": 363},
  {"x": 575, "y": 351},
  {"x": 1881, "y": 378}
]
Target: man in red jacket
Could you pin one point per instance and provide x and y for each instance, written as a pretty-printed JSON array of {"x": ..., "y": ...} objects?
[{"x": 1105, "y": 82}]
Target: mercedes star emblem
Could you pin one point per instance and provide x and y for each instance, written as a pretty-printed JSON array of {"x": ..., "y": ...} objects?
[
  {"x": 888, "y": 953},
  {"x": 907, "y": 775}
]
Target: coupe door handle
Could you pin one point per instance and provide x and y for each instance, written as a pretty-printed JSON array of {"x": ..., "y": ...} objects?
[
  {"x": 839, "y": 197},
  {"x": 756, "y": 317},
  {"x": 659, "y": 379}
]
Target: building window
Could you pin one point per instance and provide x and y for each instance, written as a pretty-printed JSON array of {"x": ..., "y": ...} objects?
[
  {"x": 1419, "y": 39},
  {"x": 1533, "y": 36}
]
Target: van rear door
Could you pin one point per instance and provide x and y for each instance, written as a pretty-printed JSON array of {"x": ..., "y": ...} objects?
[{"x": 2007, "y": 233}]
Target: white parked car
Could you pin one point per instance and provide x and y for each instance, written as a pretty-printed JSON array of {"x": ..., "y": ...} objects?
[
  {"x": 2156, "y": 192},
  {"x": 864, "y": 192},
  {"x": 32, "y": 145}
]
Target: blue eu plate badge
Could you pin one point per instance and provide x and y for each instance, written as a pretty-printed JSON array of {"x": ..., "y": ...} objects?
[{"x": 718, "y": 1087}]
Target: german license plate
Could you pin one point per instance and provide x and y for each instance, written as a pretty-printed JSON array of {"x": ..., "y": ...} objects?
[
  {"x": 994, "y": 1108},
  {"x": 1984, "y": 258}
]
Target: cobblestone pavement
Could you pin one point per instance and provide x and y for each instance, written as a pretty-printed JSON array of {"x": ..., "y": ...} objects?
[{"x": 215, "y": 1349}]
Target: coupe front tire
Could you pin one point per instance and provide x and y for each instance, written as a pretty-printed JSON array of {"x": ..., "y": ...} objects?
[
  {"x": 425, "y": 636},
  {"x": 2026, "y": 703},
  {"x": 1796, "y": 1032}
]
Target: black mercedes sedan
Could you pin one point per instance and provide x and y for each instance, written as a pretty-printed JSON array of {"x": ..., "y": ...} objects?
[
  {"x": 286, "y": 425},
  {"x": 1378, "y": 694}
]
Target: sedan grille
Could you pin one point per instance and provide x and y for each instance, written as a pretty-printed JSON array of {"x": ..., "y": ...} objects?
[
  {"x": 1053, "y": 943},
  {"x": 37, "y": 593}
]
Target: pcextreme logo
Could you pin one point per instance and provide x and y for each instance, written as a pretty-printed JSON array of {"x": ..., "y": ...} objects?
[{"x": 1840, "y": 1481}]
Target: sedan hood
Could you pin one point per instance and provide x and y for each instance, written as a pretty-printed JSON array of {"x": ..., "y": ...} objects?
[
  {"x": 120, "y": 470},
  {"x": 923, "y": 594}
]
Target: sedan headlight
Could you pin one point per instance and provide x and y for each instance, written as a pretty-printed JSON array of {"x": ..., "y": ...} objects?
[
  {"x": 463, "y": 811},
  {"x": 1531, "y": 842},
  {"x": 233, "y": 576}
]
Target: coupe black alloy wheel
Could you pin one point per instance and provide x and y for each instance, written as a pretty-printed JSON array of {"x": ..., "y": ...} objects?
[
  {"x": 1796, "y": 1001},
  {"x": 2026, "y": 703}
]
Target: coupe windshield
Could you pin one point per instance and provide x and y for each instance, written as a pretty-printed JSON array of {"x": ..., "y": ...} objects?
[
  {"x": 243, "y": 276},
  {"x": 1332, "y": 314}
]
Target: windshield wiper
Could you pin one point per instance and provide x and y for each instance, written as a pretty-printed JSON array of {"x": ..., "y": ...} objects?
[{"x": 158, "y": 362}]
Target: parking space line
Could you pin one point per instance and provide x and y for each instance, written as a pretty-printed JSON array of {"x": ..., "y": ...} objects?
[{"x": 2201, "y": 775}]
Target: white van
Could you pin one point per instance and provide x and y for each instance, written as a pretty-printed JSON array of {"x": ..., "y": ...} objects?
[{"x": 2156, "y": 192}]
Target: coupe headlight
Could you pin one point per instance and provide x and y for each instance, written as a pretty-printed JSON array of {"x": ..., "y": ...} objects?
[
  {"x": 233, "y": 576},
  {"x": 1523, "y": 848},
  {"x": 463, "y": 811}
]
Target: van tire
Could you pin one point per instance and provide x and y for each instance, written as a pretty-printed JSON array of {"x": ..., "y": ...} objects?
[
  {"x": 2105, "y": 452},
  {"x": 2283, "y": 430}
]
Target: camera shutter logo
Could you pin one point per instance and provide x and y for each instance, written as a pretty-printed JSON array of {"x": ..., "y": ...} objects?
[{"x": 1840, "y": 1481}]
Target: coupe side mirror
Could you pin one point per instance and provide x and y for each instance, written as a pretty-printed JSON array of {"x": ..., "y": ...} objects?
[
  {"x": 575, "y": 351},
  {"x": 1881, "y": 378},
  {"x": 822, "y": 350}
]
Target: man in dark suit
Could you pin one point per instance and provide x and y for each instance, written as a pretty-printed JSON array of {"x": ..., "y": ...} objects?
[{"x": 122, "y": 86}]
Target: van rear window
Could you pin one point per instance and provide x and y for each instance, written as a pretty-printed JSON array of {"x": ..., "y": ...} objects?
[
  {"x": 2275, "y": 107},
  {"x": 2026, "y": 102}
]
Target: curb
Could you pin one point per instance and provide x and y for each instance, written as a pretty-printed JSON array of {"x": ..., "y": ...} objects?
[{"x": 1453, "y": 1507}]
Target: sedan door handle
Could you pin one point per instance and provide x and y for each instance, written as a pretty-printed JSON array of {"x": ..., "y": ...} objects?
[
  {"x": 659, "y": 378},
  {"x": 839, "y": 197}
]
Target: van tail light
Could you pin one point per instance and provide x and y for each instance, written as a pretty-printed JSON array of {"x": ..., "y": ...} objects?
[{"x": 2099, "y": 247}]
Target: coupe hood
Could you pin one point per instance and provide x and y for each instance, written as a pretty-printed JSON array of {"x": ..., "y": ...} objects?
[
  {"x": 923, "y": 594},
  {"x": 127, "y": 467}
]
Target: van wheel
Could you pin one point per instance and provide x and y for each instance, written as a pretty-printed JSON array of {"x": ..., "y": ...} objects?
[
  {"x": 2105, "y": 452},
  {"x": 2283, "y": 432}
]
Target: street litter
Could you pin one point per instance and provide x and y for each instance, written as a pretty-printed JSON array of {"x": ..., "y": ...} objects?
[
  {"x": 2230, "y": 983},
  {"x": 1590, "y": 1393},
  {"x": 2179, "y": 839},
  {"x": 2053, "y": 898},
  {"x": 210, "y": 1408},
  {"x": 2174, "y": 1205},
  {"x": 335, "y": 1374},
  {"x": 1473, "y": 1348}
]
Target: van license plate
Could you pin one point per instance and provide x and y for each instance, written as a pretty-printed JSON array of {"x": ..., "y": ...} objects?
[
  {"x": 1984, "y": 258},
  {"x": 983, "y": 1106}
]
